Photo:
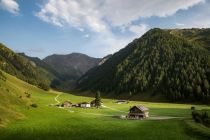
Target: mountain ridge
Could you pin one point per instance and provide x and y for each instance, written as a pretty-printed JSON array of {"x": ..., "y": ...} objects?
[{"x": 159, "y": 60}]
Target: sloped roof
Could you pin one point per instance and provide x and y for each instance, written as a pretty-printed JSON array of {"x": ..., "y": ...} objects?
[
  {"x": 141, "y": 107},
  {"x": 84, "y": 103},
  {"x": 94, "y": 101},
  {"x": 67, "y": 102}
]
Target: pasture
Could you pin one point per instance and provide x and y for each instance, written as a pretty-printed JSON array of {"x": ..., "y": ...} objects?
[{"x": 51, "y": 123}]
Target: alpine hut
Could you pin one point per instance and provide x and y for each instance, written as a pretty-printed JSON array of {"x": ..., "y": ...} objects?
[{"x": 138, "y": 112}]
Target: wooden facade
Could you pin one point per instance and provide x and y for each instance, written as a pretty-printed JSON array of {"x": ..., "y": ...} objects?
[
  {"x": 66, "y": 104},
  {"x": 138, "y": 112}
]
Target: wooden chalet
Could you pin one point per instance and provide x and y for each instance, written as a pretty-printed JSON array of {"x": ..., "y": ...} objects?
[
  {"x": 66, "y": 104},
  {"x": 138, "y": 112}
]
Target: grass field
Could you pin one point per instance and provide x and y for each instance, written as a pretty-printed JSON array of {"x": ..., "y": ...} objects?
[{"x": 45, "y": 122}]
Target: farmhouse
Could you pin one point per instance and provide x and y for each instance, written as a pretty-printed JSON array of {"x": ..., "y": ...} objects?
[
  {"x": 66, "y": 104},
  {"x": 121, "y": 102},
  {"x": 138, "y": 112},
  {"x": 93, "y": 103},
  {"x": 83, "y": 105}
]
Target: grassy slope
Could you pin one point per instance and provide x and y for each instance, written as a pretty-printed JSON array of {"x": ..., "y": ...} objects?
[
  {"x": 47, "y": 122},
  {"x": 11, "y": 100}
]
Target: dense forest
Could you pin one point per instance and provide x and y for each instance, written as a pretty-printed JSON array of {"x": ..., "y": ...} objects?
[
  {"x": 22, "y": 68},
  {"x": 161, "y": 61}
]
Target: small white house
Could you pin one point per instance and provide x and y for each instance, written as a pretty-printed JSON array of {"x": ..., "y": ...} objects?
[
  {"x": 121, "y": 102},
  {"x": 84, "y": 105}
]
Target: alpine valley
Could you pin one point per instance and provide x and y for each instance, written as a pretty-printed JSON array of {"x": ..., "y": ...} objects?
[{"x": 158, "y": 82}]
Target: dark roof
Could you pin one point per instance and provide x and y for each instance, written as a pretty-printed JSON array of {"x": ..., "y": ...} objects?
[
  {"x": 141, "y": 107},
  {"x": 121, "y": 101},
  {"x": 67, "y": 102},
  {"x": 84, "y": 103},
  {"x": 94, "y": 101}
]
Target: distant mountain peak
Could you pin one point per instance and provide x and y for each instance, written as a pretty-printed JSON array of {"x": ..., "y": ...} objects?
[{"x": 74, "y": 64}]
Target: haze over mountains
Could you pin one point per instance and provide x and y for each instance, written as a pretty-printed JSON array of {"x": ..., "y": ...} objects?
[
  {"x": 64, "y": 70},
  {"x": 72, "y": 66}
]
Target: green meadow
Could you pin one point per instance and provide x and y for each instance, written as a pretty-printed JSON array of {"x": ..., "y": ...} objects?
[{"x": 49, "y": 122}]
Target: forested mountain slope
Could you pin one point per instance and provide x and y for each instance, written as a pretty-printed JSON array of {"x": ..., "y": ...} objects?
[
  {"x": 160, "y": 62},
  {"x": 199, "y": 36},
  {"x": 21, "y": 67},
  {"x": 62, "y": 71},
  {"x": 71, "y": 66}
]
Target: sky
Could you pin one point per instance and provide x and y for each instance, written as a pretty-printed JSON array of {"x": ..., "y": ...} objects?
[{"x": 94, "y": 27}]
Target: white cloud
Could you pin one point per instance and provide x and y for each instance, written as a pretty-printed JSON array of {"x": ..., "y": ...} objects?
[
  {"x": 77, "y": 14},
  {"x": 100, "y": 16},
  {"x": 86, "y": 35},
  {"x": 81, "y": 29},
  {"x": 139, "y": 29},
  {"x": 36, "y": 50},
  {"x": 199, "y": 19},
  {"x": 94, "y": 14},
  {"x": 10, "y": 6},
  {"x": 101, "y": 44},
  {"x": 123, "y": 12},
  {"x": 179, "y": 24}
]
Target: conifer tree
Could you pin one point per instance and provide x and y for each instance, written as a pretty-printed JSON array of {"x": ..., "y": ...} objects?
[{"x": 98, "y": 99}]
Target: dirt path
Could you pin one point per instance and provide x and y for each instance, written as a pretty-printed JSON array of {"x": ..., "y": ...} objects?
[
  {"x": 105, "y": 115},
  {"x": 56, "y": 99},
  {"x": 163, "y": 118},
  {"x": 97, "y": 114}
]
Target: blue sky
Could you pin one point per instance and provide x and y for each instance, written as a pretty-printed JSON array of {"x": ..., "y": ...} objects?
[{"x": 94, "y": 27}]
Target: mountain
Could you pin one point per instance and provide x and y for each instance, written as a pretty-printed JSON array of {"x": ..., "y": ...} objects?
[
  {"x": 162, "y": 62},
  {"x": 47, "y": 71},
  {"x": 63, "y": 70},
  {"x": 21, "y": 67},
  {"x": 199, "y": 36},
  {"x": 71, "y": 66}
]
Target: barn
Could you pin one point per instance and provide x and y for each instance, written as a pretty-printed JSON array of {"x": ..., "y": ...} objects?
[
  {"x": 138, "y": 112},
  {"x": 66, "y": 104}
]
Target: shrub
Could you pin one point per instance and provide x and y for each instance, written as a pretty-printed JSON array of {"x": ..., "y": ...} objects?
[
  {"x": 201, "y": 117},
  {"x": 34, "y": 105},
  {"x": 28, "y": 95},
  {"x": 192, "y": 108},
  {"x": 44, "y": 86},
  {"x": 2, "y": 77}
]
